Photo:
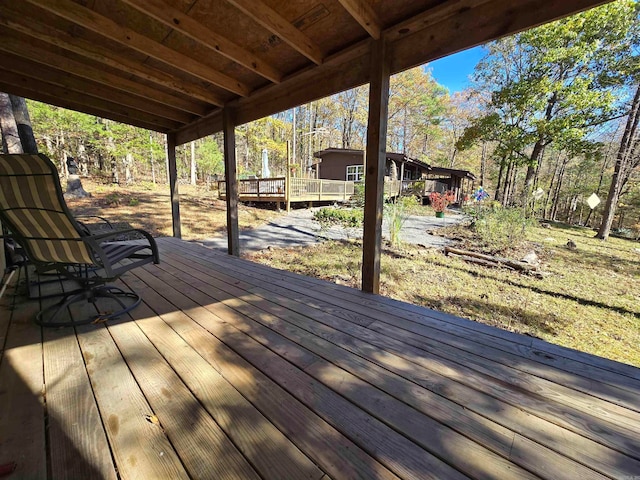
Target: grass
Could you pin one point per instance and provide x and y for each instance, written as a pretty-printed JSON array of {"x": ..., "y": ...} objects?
[
  {"x": 589, "y": 302},
  {"x": 148, "y": 206}
]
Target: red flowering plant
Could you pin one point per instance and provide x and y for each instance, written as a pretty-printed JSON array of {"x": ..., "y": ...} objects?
[{"x": 440, "y": 201}]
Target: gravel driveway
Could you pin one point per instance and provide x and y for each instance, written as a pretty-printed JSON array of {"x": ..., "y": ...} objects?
[{"x": 298, "y": 229}]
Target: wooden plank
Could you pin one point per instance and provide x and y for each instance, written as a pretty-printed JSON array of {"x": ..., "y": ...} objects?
[
  {"x": 364, "y": 14},
  {"x": 349, "y": 68},
  {"x": 275, "y": 23},
  {"x": 475, "y": 26},
  {"x": 204, "y": 330},
  {"x": 475, "y": 426},
  {"x": 28, "y": 88},
  {"x": 203, "y": 448},
  {"x": 231, "y": 181},
  {"x": 401, "y": 456},
  {"x": 22, "y": 414},
  {"x": 73, "y": 87},
  {"x": 78, "y": 445},
  {"x": 173, "y": 185},
  {"x": 139, "y": 446},
  {"x": 183, "y": 23},
  {"x": 38, "y": 55},
  {"x": 272, "y": 454},
  {"x": 374, "y": 166},
  {"x": 98, "y": 53},
  {"x": 618, "y": 374},
  {"x": 106, "y": 27},
  {"x": 319, "y": 301},
  {"x": 476, "y": 460}
]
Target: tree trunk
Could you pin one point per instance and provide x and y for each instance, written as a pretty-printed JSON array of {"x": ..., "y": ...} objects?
[
  {"x": 21, "y": 115},
  {"x": 497, "y": 196},
  {"x": 628, "y": 138},
  {"x": 10, "y": 136},
  {"x": 483, "y": 164},
  {"x": 193, "y": 163}
]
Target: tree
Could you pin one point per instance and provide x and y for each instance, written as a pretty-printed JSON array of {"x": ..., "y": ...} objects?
[
  {"x": 627, "y": 160},
  {"x": 555, "y": 83}
]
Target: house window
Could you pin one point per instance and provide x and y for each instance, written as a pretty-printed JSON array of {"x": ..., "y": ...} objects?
[{"x": 355, "y": 173}]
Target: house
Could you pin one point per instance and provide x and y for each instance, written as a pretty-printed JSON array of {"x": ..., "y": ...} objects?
[{"x": 348, "y": 164}]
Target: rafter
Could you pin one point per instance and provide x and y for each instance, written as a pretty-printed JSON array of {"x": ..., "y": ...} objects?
[
  {"x": 362, "y": 13},
  {"x": 183, "y": 23},
  {"x": 61, "y": 97},
  {"x": 97, "y": 53},
  {"x": 106, "y": 27},
  {"x": 275, "y": 23},
  {"x": 12, "y": 45},
  {"x": 92, "y": 89}
]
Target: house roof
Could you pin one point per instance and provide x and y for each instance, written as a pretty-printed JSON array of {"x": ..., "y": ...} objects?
[
  {"x": 453, "y": 172},
  {"x": 171, "y": 66}
]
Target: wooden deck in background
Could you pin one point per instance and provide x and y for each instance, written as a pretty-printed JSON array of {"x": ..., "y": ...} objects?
[{"x": 234, "y": 370}]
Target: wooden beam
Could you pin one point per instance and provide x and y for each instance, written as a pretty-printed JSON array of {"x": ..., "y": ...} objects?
[
  {"x": 364, "y": 14},
  {"x": 83, "y": 87},
  {"x": 275, "y": 23},
  {"x": 173, "y": 185},
  {"x": 455, "y": 31},
  {"x": 337, "y": 73},
  {"x": 93, "y": 51},
  {"x": 374, "y": 166},
  {"x": 188, "y": 26},
  {"x": 106, "y": 27},
  {"x": 54, "y": 95},
  {"x": 38, "y": 55},
  {"x": 474, "y": 26},
  {"x": 231, "y": 181}
]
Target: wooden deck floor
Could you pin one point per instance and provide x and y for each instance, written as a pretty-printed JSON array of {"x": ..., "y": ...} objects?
[{"x": 234, "y": 370}]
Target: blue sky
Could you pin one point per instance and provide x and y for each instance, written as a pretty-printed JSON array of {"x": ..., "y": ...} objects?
[{"x": 454, "y": 71}]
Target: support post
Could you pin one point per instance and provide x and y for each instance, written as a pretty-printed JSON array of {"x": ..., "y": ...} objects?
[
  {"x": 230, "y": 177},
  {"x": 287, "y": 181},
  {"x": 374, "y": 166},
  {"x": 173, "y": 184}
]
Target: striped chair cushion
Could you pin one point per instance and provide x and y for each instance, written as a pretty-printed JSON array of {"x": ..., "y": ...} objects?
[{"x": 31, "y": 200}]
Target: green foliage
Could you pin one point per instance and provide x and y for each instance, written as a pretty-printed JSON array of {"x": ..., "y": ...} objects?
[
  {"x": 328, "y": 216},
  {"x": 209, "y": 158},
  {"x": 357, "y": 199},
  {"x": 396, "y": 213},
  {"x": 501, "y": 228}
]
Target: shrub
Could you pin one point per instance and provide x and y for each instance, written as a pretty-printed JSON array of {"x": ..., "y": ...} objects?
[
  {"x": 357, "y": 199},
  {"x": 397, "y": 213},
  {"x": 328, "y": 216},
  {"x": 501, "y": 228}
]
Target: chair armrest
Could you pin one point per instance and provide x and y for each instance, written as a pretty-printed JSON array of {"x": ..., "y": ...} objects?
[{"x": 95, "y": 241}]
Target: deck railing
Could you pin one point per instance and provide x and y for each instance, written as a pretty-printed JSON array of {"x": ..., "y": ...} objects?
[
  {"x": 423, "y": 187},
  {"x": 302, "y": 190}
]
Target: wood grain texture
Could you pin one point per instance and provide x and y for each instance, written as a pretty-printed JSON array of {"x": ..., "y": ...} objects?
[
  {"x": 104, "y": 26},
  {"x": 214, "y": 340},
  {"x": 364, "y": 14},
  {"x": 22, "y": 414},
  {"x": 275, "y": 23},
  {"x": 204, "y": 449},
  {"x": 78, "y": 444},
  {"x": 140, "y": 447},
  {"x": 314, "y": 319},
  {"x": 272, "y": 454},
  {"x": 190, "y": 27},
  {"x": 231, "y": 181},
  {"x": 233, "y": 369}
]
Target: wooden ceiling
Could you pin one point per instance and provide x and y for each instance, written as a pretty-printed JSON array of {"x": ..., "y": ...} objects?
[{"x": 172, "y": 65}]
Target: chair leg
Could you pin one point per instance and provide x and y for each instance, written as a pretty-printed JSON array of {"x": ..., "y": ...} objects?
[{"x": 54, "y": 315}]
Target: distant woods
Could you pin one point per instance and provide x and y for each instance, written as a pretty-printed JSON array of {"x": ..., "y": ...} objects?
[{"x": 551, "y": 118}]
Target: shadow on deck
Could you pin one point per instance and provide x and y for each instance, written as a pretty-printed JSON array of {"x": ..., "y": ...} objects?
[{"x": 235, "y": 370}]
